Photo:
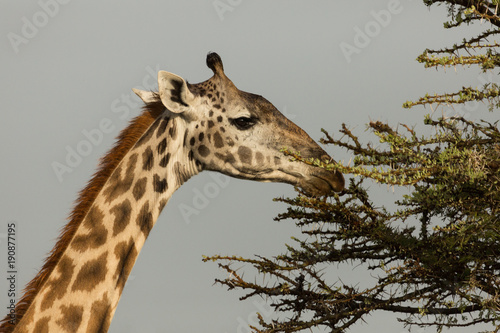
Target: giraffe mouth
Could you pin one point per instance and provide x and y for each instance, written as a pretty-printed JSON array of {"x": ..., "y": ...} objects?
[
  {"x": 328, "y": 183},
  {"x": 317, "y": 183},
  {"x": 250, "y": 173}
]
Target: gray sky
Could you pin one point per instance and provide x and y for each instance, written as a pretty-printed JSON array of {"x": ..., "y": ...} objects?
[{"x": 68, "y": 66}]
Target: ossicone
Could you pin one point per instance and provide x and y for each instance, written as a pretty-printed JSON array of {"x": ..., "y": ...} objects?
[{"x": 214, "y": 62}]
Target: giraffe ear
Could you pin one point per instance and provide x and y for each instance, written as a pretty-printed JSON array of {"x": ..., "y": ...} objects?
[
  {"x": 146, "y": 96},
  {"x": 174, "y": 92}
]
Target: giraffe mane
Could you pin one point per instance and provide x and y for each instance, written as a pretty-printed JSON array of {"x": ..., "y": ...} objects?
[{"x": 125, "y": 141}]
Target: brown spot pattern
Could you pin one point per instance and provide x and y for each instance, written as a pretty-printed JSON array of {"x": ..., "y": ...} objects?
[
  {"x": 127, "y": 140},
  {"x": 203, "y": 150},
  {"x": 162, "y": 127},
  {"x": 245, "y": 154},
  {"x": 145, "y": 219},
  {"x": 259, "y": 157},
  {"x": 148, "y": 134},
  {"x": 118, "y": 185},
  {"x": 122, "y": 216},
  {"x": 127, "y": 255},
  {"x": 172, "y": 131},
  {"x": 162, "y": 204},
  {"x": 71, "y": 318},
  {"x": 94, "y": 218},
  {"x": 218, "y": 140},
  {"x": 162, "y": 146},
  {"x": 147, "y": 159},
  {"x": 97, "y": 232},
  {"x": 91, "y": 274},
  {"x": 164, "y": 160},
  {"x": 139, "y": 188},
  {"x": 57, "y": 286},
  {"x": 160, "y": 185},
  {"x": 100, "y": 315},
  {"x": 42, "y": 325},
  {"x": 185, "y": 137}
]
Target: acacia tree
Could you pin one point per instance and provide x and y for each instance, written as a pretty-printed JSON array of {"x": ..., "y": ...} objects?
[{"x": 435, "y": 258}]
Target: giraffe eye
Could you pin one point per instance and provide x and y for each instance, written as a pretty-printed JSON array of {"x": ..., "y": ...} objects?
[{"x": 243, "y": 123}]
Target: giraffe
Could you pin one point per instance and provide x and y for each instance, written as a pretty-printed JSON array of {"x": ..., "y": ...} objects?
[{"x": 183, "y": 129}]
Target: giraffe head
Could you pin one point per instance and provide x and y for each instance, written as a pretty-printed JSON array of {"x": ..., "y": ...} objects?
[{"x": 241, "y": 134}]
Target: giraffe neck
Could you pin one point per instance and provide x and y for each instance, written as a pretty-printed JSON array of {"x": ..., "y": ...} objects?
[{"x": 81, "y": 293}]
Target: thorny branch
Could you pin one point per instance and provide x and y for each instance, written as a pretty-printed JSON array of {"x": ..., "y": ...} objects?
[{"x": 434, "y": 259}]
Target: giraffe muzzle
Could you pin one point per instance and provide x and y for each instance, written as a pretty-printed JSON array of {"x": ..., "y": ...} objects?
[{"x": 326, "y": 182}]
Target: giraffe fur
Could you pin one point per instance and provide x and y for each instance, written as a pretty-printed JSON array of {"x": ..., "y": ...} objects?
[{"x": 184, "y": 129}]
